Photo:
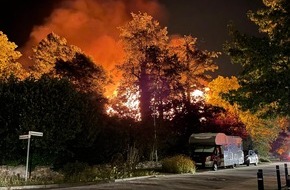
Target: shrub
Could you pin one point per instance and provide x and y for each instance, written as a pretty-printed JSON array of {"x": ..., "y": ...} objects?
[
  {"x": 264, "y": 159},
  {"x": 44, "y": 175},
  {"x": 78, "y": 172},
  {"x": 105, "y": 172},
  {"x": 178, "y": 164}
]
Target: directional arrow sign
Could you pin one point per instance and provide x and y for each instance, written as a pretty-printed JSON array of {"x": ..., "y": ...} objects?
[
  {"x": 34, "y": 133},
  {"x": 24, "y": 136}
]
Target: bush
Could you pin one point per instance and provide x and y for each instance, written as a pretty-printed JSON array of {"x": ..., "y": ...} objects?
[
  {"x": 264, "y": 159},
  {"x": 44, "y": 175},
  {"x": 78, "y": 172},
  {"x": 7, "y": 180},
  {"x": 14, "y": 176},
  {"x": 178, "y": 164}
]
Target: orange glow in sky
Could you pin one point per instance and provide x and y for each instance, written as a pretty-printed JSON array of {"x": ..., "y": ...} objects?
[{"x": 92, "y": 26}]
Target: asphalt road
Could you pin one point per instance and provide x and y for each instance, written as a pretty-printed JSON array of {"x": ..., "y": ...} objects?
[{"x": 242, "y": 177}]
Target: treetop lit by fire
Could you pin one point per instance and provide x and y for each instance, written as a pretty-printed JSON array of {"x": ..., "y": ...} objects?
[{"x": 161, "y": 70}]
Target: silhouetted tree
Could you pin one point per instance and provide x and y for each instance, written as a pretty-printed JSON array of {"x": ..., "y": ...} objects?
[
  {"x": 265, "y": 61},
  {"x": 69, "y": 120}
]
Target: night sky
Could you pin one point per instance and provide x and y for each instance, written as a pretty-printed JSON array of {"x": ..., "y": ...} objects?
[{"x": 205, "y": 19}]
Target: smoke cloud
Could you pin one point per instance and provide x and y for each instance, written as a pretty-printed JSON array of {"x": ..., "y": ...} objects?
[{"x": 92, "y": 26}]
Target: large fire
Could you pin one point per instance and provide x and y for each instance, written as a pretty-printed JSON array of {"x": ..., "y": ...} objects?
[{"x": 92, "y": 26}]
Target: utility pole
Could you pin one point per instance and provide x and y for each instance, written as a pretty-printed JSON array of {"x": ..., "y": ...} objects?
[{"x": 155, "y": 136}]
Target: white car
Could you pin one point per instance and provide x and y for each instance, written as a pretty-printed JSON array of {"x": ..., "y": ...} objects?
[{"x": 251, "y": 157}]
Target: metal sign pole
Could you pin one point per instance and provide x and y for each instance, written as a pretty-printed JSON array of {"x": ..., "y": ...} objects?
[
  {"x": 27, "y": 159},
  {"x": 28, "y": 137}
]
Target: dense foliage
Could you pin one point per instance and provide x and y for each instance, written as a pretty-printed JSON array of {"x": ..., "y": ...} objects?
[
  {"x": 8, "y": 59},
  {"x": 265, "y": 60},
  {"x": 68, "y": 119},
  {"x": 48, "y": 51},
  {"x": 55, "y": 57},
  {"x": 162, "y": 71}
]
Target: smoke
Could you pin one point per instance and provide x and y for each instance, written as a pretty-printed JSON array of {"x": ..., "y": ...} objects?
[{"x": 92, "y": 26}]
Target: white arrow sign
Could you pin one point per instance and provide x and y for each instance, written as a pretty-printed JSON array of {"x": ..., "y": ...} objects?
[
  {"x": 24, "y": 136},
  {"x": 34, "y": 133}
]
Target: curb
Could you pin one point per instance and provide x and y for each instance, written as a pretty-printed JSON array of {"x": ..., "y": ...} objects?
[
  {"x": 32, "y": 187},
  {"x": 67, "y": 185},
  {"x": 140, "y": 177},
  {"x": 48, "y": 186}
]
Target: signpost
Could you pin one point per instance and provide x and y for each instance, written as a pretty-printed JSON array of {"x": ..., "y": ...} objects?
[{"x": 30, "y": 133}]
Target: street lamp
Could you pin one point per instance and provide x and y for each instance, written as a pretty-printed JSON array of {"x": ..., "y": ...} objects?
[{"x": 30, "y": 133}]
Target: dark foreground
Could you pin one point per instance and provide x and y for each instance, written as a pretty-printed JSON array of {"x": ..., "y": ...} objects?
[{"x": 242, "y": 177}]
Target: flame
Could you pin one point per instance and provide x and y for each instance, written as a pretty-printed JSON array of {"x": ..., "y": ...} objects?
[
  {"x": 92, "y": 26},
  {"x": 132, "y": 109},
  {"x": 197, "y": 93},
  {"x": 131, "y": 106}
]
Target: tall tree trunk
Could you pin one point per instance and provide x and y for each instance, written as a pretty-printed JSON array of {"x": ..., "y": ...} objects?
[{"x": 144, "y": 95}]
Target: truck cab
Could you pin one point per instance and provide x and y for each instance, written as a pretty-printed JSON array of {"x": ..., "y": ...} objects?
[{"x": 207, "y": 156}]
